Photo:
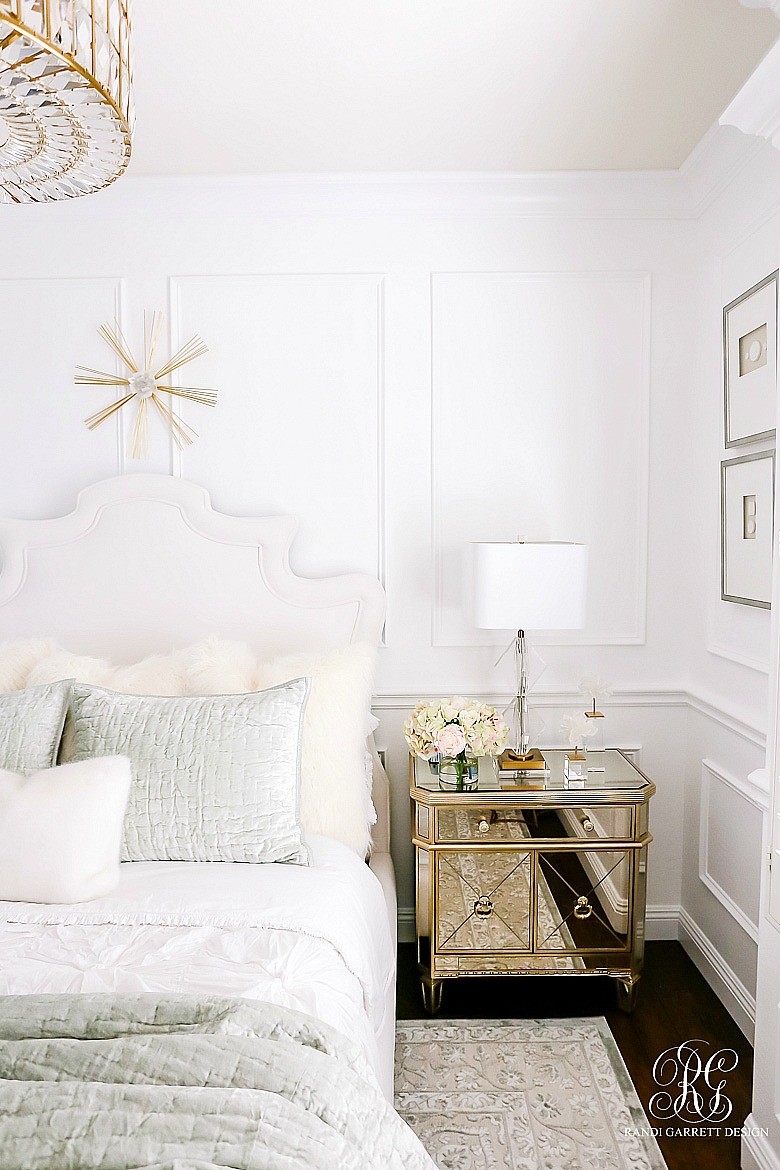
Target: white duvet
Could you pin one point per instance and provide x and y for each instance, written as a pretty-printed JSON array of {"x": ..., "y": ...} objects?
[{"x": 313, "y": 938}]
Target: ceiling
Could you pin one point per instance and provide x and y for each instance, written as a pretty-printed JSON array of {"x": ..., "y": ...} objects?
[{"x": 259, "y": 86}]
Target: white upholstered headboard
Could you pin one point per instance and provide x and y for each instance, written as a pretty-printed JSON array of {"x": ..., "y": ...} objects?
[{"x": 145, "y": 565}]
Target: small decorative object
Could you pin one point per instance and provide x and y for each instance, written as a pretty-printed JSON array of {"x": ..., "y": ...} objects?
[
  {"x": 578, "y": 728},
  {"x": 575, "y": 768},
  {"x": 144, "y": 385},
  {"x": 66, "y": 103},
  {"x": 459, "y": 730},
  {"x": 750, "y": 363},
  {"x": 747, "y": 524},
  {"x": 595, "y": 690}
]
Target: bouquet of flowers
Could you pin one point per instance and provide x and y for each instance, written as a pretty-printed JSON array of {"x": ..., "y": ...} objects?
[{"x": 455, "y": 727}]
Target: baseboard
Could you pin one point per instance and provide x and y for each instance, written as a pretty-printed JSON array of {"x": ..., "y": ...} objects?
[
  {"x": 728, "y": 987},
  {"x": 406, "y": 924},
  {"x": 757, "y": 1153},
  {"x": 662, "y": 923}
]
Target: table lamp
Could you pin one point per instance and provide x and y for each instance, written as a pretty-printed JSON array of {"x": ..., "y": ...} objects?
[{"x": 528, "y": 585}]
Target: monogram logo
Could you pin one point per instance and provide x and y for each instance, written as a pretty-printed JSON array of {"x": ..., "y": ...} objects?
[{"x": 692, "y": 1084}]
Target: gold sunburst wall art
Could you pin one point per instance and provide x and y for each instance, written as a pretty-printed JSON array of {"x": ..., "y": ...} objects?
[{"x": 143, "y": 387}]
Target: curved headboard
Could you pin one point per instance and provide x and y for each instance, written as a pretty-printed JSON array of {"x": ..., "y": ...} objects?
[{"x": 145, "y": 565}]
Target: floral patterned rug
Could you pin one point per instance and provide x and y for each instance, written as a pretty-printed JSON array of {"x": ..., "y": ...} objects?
[{"x": 521, "y": 1095}]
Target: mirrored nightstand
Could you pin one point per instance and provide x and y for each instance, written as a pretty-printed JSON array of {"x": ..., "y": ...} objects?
[{"x": 543, "y": 880}]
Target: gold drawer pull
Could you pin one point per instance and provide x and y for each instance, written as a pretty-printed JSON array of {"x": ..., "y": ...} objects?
[
  {"x": 484, "y": 826},
  {"x": 483, "y": 907},
  {"x": 583, "y": 908},
  {"x": 587, "y": 824}
]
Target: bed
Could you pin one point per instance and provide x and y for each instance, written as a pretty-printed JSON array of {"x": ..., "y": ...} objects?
[{"x": 143, "y": 565}]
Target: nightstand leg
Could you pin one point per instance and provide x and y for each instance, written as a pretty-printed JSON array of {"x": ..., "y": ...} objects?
[
  {"x": 626, "y": 993},
  {"x": 431, "y": 993}
]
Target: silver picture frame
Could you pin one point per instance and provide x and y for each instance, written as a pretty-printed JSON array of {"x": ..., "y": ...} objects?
[
  {"x": 750, "y": 364},
  {"x": 747, "y": 507}
]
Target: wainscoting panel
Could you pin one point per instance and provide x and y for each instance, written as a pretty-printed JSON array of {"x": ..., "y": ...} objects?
[
  {"x": 731, "y": 812},
  {"x": 49, "y": 327},
  {"x": 298, "y": 362},
  {"x": 550, "y": 408}
]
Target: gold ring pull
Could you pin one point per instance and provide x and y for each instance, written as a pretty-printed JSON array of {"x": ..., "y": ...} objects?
[
  {"x": 587, "y": 824},
  {"x": 484, "y": 826},
  {"x": 583, "y": 908},
  {"x": 483, "y": 907}
]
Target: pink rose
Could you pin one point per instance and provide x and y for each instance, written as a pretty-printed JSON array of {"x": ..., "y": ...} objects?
[{"x": 450, "y": 741}]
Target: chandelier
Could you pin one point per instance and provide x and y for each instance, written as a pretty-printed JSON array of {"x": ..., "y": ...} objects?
[{"x": 66, "y": 111}]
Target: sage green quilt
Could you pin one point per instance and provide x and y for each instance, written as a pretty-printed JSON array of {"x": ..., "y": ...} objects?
[{"x": 114, "y": 1082}]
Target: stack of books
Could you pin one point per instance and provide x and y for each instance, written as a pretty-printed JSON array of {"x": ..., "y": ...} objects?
[{"x": 516, "y": 771}]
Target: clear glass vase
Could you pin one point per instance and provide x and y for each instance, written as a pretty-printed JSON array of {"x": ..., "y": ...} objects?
[{"x": 459, "y": 773}]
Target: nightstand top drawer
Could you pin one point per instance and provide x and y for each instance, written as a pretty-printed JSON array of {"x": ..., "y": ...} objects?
[
  {"x": 469, "y": 825},
  {"x": 612, "y": 779}
]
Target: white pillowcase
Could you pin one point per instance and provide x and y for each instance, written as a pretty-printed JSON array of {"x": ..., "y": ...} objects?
[
  {"x": 215, "y": 777},
  {"x": 61, "y": 831}
]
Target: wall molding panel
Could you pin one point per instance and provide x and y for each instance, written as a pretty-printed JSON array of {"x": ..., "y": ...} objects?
[
  {"x": 50, "y": 325},
  {"x": 341, "y": 312},
  {"x": 487, "y": 330},
  {"x": 711, "y": 778}
]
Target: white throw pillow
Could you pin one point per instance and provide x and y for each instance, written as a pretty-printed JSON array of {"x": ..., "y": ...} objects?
[{"x": 61, "y": 831}]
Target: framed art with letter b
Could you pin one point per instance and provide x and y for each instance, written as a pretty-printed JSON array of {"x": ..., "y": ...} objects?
[
  {"x": 750, "y": 364},
  {"x": 747, "y": 525}
]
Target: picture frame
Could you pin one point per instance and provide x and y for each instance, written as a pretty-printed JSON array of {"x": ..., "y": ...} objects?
[
  {"x": 747, "y": 529},
  {"x": 750, "y": 364}
]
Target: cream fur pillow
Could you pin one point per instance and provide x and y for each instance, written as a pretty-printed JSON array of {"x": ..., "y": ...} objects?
[
  {"x": 61, "y": 830},
  {"x": 335, "y": 790},
  {"x": 17, "y": 659}
]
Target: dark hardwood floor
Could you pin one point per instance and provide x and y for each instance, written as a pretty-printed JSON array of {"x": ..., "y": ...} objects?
[{"x": 674, "y": 1004}]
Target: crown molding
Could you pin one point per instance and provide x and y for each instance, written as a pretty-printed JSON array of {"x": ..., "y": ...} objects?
[
  {"x": 772, "y": 5},
  {"x": 671, "y": 194},
  {"x": 756, "y": 108}
]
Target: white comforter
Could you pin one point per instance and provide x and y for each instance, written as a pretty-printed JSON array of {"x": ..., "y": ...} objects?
[{"x": 312, "y": 938}]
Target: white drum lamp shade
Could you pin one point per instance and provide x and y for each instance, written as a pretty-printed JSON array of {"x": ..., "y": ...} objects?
[{"x": 530, "y": 586}]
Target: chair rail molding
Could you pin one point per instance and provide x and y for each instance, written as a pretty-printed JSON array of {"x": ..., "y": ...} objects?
[{"x": 756, "y": 108}]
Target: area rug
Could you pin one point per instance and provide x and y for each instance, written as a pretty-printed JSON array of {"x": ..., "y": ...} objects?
[{"x": 521, "y": 1095}]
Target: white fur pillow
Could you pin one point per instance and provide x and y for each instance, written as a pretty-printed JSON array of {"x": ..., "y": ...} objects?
[{"x": 61, "y": 831}]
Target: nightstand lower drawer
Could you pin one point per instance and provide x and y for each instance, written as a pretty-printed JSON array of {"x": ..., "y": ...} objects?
[{"x": 482, "y": 901}]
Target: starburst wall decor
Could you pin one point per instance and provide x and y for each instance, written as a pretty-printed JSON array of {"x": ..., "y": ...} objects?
[{"x": 145, "y": 385}]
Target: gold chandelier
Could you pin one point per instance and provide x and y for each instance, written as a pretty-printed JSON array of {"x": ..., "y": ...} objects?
[{"x": 66, "y": 110}]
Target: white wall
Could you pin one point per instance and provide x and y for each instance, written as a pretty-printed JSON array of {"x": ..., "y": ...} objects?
[
  {"x": 739, "y": 242},
  {"x": 405, "y": 381},
  {"x": 409, "y": 366}
]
